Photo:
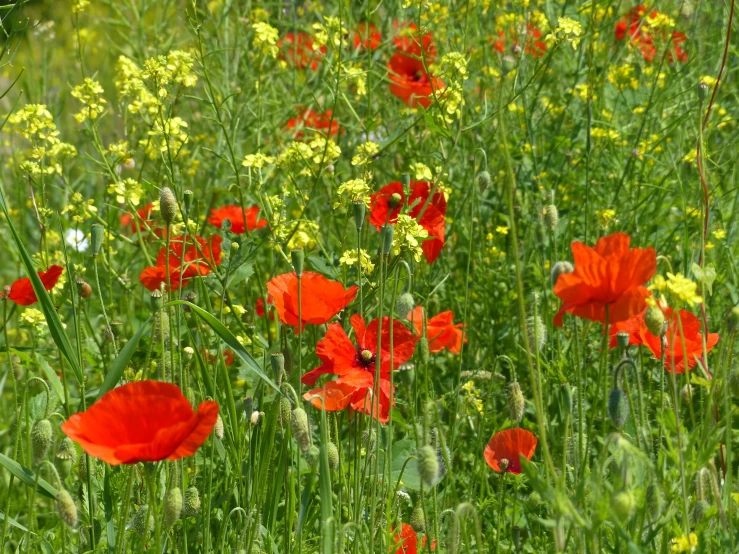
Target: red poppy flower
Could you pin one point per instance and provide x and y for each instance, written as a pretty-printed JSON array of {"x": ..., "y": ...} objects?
[
  {"x": 307, "y": 119},
  {"x": 355, "y": 365},
  {"x": 144, "y": 421},
  {"x": 408, "y": 42},
  {"x": 634, "y": 326},
  {"x": 140, "y": 221},
  {"x": 322, "y": 298},
  {"x": 410, "y": 82},
  {"x": 259, "y": 307},
  {"x": 611, "y": 274},
  {"x": 297, "y": 49},
  {"x": 510, "y": 445},
  {"x": 693, "y": 345},
  {"x": 408, "y": 541},
  {"x": 228, "y": 356},
  {"x": 195, "y": 262},
  {"x": 21, "y": 291},
  {"x": 236, "y": 216},
  {"x": 367, "y": 37},
  {"x": 432, "y": 218},
  {"x": 533, "y": 46},
  {"x": 440, "y": 330},
  {"x": 634, "y": 26}
]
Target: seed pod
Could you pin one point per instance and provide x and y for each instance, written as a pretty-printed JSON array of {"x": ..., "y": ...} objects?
[
  {"x": 618, "y": 408},
  {"x": 192, "y": 501},
  {"x": 623, "y": 504},
  {"x": 155, "y": 300},
  {"x": 187, "y": 197},
  {"x": 300, "y": 429},
  {"x": 484, "y": 180},
  {"x": 622, "y": 339},
  {"x": 559, "y": 268},
  {"x": 41, "y": 437},
  {"x": 66, "y": 450},
  {"x": 277, "y": 360},
  {"x": 172, "y": 506},
  {"x": 418, "y": 521},
  {"x": 333, "y": 455},
  {"x": 298, "y": 258},
  {"x": 286, "y": 409},
  {"x": 516, "y": 403},
  {"x": 139, "y": 525},
  {"x": 394, "y": 200},
  {"x": 428, "y": 465},
  {"x": 66, "y": 508},
  {"x": 552, "y": 216},
  {"x": 97, "y": 232},
  {"x": 167, "y": 205},
  {"x": 654, "y": 502},
  {"x": 83, "y": 288},
  {"x": 699, "y": 512},
  {"x": 423, "y": 350},
  {"x": 405, "y": 304},
  {"x": 654, "y": 319},
  {"x": 537, "y": 332},
  {"x": 387, "y": 233},
  {"x": 359, "y": 211},
  {"x": 218, "y": 427}
]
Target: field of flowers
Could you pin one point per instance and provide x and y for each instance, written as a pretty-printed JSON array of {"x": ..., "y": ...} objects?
[{"x": 368, "y": 277}]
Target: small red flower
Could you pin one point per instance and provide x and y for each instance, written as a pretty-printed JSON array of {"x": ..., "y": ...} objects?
[
  {"x": 259, "y": 307},
  {"x": 634, "y": 326},
  {"x": 367, "y": 37},
  {"x": 236, "y": 216},
  {"x": 510, "y": 445},
  {"x": 308, "y": 120},
  {"x": 533, "y": 46},
  {"x": 297, "y": 49},
  {"x": 197, "y": 260},
  {"x": 432, "y": 218},
  {"x": 21, "y": 291},
  {"x": 321, "y": 298},
  {"x": 144, "y": 421},
  {"x": 139, "y": 222},
  {"x": 410, "y": 82},
  {"x": 356, "y": 365},
  {"x": 440, "y": 330},
  {"x": 408, "y": 541},
  {"x": 634, "y": 26},
  {"x": 408, "y": 42},
  {"x": 611, "y": 274}
]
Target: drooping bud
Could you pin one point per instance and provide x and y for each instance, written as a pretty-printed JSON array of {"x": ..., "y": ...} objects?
[
  {"x": 83, "y": 288},
  {"x": 623, "y": 505},
  {"x": 516, "y": 403},
  {"x": 405, "y": 304},
  {"x": 333, "y": 455},
  {"x": 41, "y": 437},
  {"x": 654, "y": 319},
  {"x": 552, "y": 216},
  {"x": 418, "y": 521},
  {"x": 654, "y": 502},
  {"x": 192, "y": 501},
  {"x": 484, "y": 180},
  {"x": 560, "y": 268},
  {"x": 66, "y": 508},
  {"x": 298, "y": 258},
  {"x": 97, "y": 232},
  {"x": 167, "y": 205},
  {"x": 618, "y": 407},
  {"x": 428, "y": 465},
  {"x": 300, "y": 429},
  {"x": 140, "y": 526},
  {"x": 359, "y": 210},
  {"x": 218, "y": 429},
  {"x": 66, "y": 450},
  {"x": 172, "y": 506},
  {"x": 423, "y": 350}
]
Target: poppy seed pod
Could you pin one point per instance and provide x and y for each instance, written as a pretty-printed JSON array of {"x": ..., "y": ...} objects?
[
  {"x": 277, "y": 360},
  {"x": 300, "y": 429},
  {"x": 418, "y": 521},
  {"x": 218, "y": 427},
  {"x": 172, "y": 506},
  {"x": 428, "y": 465},
  {"x": 333, "y": 455},
  {"x": 618, "y": 408},
  {"x": 388, "y": 232},
  {"x": 167, "y": 205},
  {"x": 155, "y": 300},
  {"x": 139, "y": 524},
  {"x": 423, "y": 350},
  {"x": 516, "y": 401},
  {"x": 83, "y": 288},
  {"x": 394, "y": 200},
  {"x": 552, "y": 216},
  {"x": 405, "y": 304},
  {"x": 559, "y": 268},
  {"x": 654, "y": 319},
  {"x": 654, "y": 502},
  {"x": 97, "y": 232},
  {"x": 623, "y": 505},
  {"x": 484, "y": 180},
  {"x": 298, "y": 259},
  {"x": 359, "y": 209},
  {"x": 703, "y": 89},
  {"x": 66, "y": 450},
  {"x": 41, "y": 438},
  {"x": 192, "y": 501},
  {"x": 187, "y": 196},
  {"x": 622, "y": 338},
  {"x": 66, "y": 508}
]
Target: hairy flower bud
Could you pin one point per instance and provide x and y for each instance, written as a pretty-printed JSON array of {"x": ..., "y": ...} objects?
[
  {"x": 552, "y": 216},
  {"x": 167, "y": 205},
  {"x": 516, "y": 403},
  {"x": 172, "y": 506},
  {"x": 66, "y": 450},
  {"x": 428, "y": 465},
  {"x": 558, "y": 269},
  {"x": 418, "y": 521},
  {"x": 161, "y": 327},
  {"x": 623, "y": 505},
  {"x": 66, "y": 508},
  {"x": 654, "y": 319},
  {"x": 654, "y": 502},
  {"x": 423, "y": 350},
  {"x": 300, "y": 429},
  {"x": 405, "y": 304},
  {"x": 312, "y": 454},
  {"x": 483, "y": 180},
  {"x": 699, "y": 512},
  {"x": 140, "y": 526},
  {"x": 286, "y": 409},
  {"x": 192, "y": 501},
  {"x": 41, "y": 437},
  {"x": 369, "y": 439},
  {"x": 218, "y": 429},
  {"x": 537, "y": 332},
  {"x": 333, "y": 455},
  {"x": 618, "y": 408}
]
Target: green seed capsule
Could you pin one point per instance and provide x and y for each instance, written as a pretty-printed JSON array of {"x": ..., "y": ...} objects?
[{"x": 623, "y": 505}]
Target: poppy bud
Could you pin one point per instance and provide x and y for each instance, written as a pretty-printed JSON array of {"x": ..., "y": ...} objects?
[
  {"x": 192, "y": 501},
  {"x": 388, "y": 232},
  {"x": 369, "y": 439},
  {"x": 423, "y": 350},
  {"x": 161, "y": 327},
  {"x": 172, "y": 506},
  {"x": 428, "y": 465},
  {"x": 702, "y": 91},
  {"x": 312, "y": 454},
  {"x": 277, "y": 360},
  {"x": 405, "y": 304},
  {"x": 83, "y": 288},
  {"x": 418, "y": 521},
  {"x": 66, "y": 450},
  {"x": 484, "y": 180},
  {"x": 537, "y": 332},
  {"x": 218, "y": 427},
  {"x": 187, "y": 197},
  {"x": 333, "y": 455},
  {"x": 622, "y": 338},
  {"x": 360, "y": 209},
  {"x": 140, "y": 525},
  {"x": 155, "y": 300},
  {"x": 66, "y": 508},
  {"x": 167, "y": 205},
  {"x": 559, "y": 268},
  {"x": 654, "y": 502},
  {"x": 623, "y": 505},
  {"x": 686, "y": 394},
  {"x": 454, "y": 535},
  {"x": 41, "y": 437},
  {"x": 533, "y": 501},
  {"x": 618, "y": 408},
  {"x": 654, "y": 319},
  {"x": 298, "y": 258},
  {"x": 286, "y": 409},
  {"x": 300, "y": 429},
  {"x": 96, "y": 239},
  {"x": 552, "y": 216},
  {"x": 516, "y": 402},
  {"x": 699, "y": 512}
]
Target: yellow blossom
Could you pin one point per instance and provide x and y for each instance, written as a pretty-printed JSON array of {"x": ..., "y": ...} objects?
[
  {"x": 685, "y": 543},
  {"x": 681, "y": 288},
  {"x": 365, "y": 153},
  {"x": 257, "y": 160},
  {"x": 265, "y": 39},
  {"x": 421, "y": 172},
  {"x": 719, "y": 234},
  {"x": 408, "y": 234},
  {"x": 355, "y": 190},
  {"x": 349, "y": 258},
  {"x": 90, "y": 94}
]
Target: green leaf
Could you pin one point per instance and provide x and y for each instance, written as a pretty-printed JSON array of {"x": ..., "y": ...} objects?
[
  {"x": 27, "y": 476},
  {"x": 434, "y": 127},
  {"x": 52, "y": 377},
  {"x": 56, "y": 329},
  {"x": 705, "y": 275},
  {"x": 13, "y": 522},
  {"x": 119, "y": 364}
]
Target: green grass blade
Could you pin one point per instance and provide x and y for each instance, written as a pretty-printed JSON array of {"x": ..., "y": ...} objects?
[
  {"x": 13, "y": 522},
  {"x": 119, "y": 364},
  {"x": 27, "y": 476}
]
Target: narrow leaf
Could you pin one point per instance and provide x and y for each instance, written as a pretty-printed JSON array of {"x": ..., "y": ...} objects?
[
  {"x": 13, "y": 522},
  {"x": 52, "y": 377},
  {"x": 27, "y": 476},
  {"x": 121, "y": 361}
]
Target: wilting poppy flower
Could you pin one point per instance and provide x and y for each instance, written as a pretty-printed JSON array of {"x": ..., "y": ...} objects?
[
  {"x": 408, "y": 42},
  {"x": 510, "y": 445},
  {"x": 673, "y": 343},
  {"x": 307, "y": 119},
  {"x": 141, "y": 221},
  {"x": 635, "y": 26},
  {"x": 355, "y": 364},
  {"x": 367, "y": 36},
  {"x": 410, "y": 82},
  {"x": 236, "y": 216},
  {"x": 408, "y": 541},
  {"x": 297, "y": 49},
  {"x": 197, "y": 260},
  {"x": 322, "y": 298},
  {"x": 432, "y": 218},
  {"x": 610, "y": 275},
  {"x": 440, "y": 330},
  {"x": 21, "y": 291},
  {"x": 533, "y": 45},
  {"x": 143, "y": 421}
]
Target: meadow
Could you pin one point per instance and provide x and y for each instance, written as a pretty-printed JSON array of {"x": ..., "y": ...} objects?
[{"x": 384, "y": 276}]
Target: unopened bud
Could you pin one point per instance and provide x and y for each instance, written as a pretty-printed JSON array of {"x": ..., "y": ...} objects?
[
  {"x": 618, "y": 408},
  {"x": 312, "y": 454},
  {"x": 333, "y": 455},
  {"x": 537, "y": 332},
  {"x": 218, "y": 429},
  {"x": 552, "y": 216},
  {"x": 405, "y": 304},
  {"x": 623, "y": 505},
  {"x": 167, "y": 205},
  {"x": 418, "y": 521},
  {"x": 484, "y": 180},
  {"x": 192, "y": 501},
  {"x": 66, "y": 450},
  {"x": 516, "y": 403},
  {"x": 300, "y": 429},
  {"x": 140, "y": 525},
  {"x": 428, "y": 465},
  {"x": 699, "y": 511},
  {"x": 66, "y": 508},
  {"x": 286, "y": 409},
  {"x": 423, "y": 350},
  {"x": 654, "y": 502},
  {"x": 369, "y": 439},
  {"x": 559, "y": 268},
  {"x": 654, "y": 319},
  {"x": 41, "y": 438},
  {"x": 172, "y": 506}
]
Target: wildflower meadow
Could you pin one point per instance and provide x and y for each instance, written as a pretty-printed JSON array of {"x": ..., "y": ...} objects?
[{"x": 369, "y": 277}]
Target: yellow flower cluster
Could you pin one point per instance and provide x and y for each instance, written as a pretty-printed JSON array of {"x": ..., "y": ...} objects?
[
  {"x": 127, "y": 190},
  {"x": 354, "y": 190},
  {"x": 568, "y": 30},
  {"x": 606, "y": 217},
  {"x": 170, "y": 138},
  {"x": 265, "y": 39},
  {"x": 328, "y": 33},
  {"x": 257, "y": 161},
  {"x": 350, "y": 258},
  {"x": 366, "y": 153},
  {"x": 685, "y": 543},
  {"x": 681, "y": 288},
  {"x": 421, "y": 172},
  {"x": 90, "y": 93},
  {"x": 408, "y": 234},
  {"x": 46, "y": 154},
  {"x": 130, "y": 86},
  {"x": 80, "y": 210}
]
